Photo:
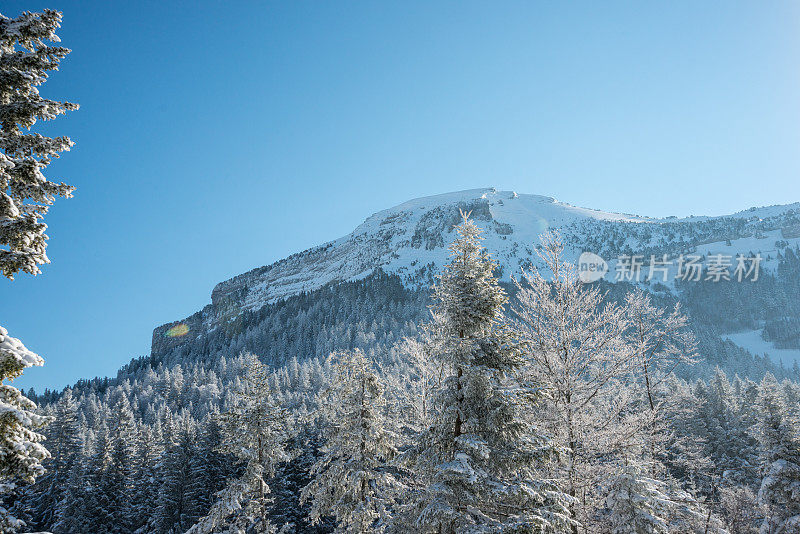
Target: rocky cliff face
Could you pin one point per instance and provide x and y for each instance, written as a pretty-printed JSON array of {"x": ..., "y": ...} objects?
[{"x": 411, "y": 241}]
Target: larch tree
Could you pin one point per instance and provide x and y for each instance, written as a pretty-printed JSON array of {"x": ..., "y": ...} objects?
[
  {"x": 577, "y": 348},
  {"x": 479, "y": 461},
  {"x": 352, "y": 479},
  {"x": 25, "y": 195}
]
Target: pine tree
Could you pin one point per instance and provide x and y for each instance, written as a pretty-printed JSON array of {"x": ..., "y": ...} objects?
[
  {"x": 21, "y": 451},
  {"x": 639, "y": 504},
  {"x": 149, "y": 449},
  {"x": 73, "y": 513},
  {"x": 478, "y": 462},
  {"x": 118, "y": 480},
  {"x": 352, "y": 481},
  {"x": 254, "y": 430},
  {"x": 636, "y": 503},
  {"x": 98, "y": 503},
  {"x": 780, "y": 444},
  {"x": 64, "y": 444},
  {"x": 173, "y": 508},
  {"x": 207, "y": 470},
  {"x": 25, "y": 194}
]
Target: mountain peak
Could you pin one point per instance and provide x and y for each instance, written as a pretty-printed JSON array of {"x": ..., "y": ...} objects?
[{"x": 411, "y": 240}]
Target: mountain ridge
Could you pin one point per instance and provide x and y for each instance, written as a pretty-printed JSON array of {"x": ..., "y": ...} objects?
[{"x": 411, "y": 240}]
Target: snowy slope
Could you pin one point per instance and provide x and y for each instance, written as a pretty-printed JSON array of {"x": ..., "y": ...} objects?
[{"x": 411, "y": 240}]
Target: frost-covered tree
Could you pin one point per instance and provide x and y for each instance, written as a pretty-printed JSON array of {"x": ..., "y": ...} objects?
[
  {"x": 661, "y": 342},
  {"x": 64, "y": 444},
  {"x": 740, "y": 509},
  {"x": 639, "y": 504},
  {"x": 255, "y": 430},
  {"x": 414, "y": 381},
  {"x": 174, "y": 511},
  {"x": 577, "y": 347},
  {"x": 21, "y": 451},
  {"x": 352, "y": 481},
  {"x": 479, "y": 462},
  {"x": 25, "y": 193},
  {"x": 118, "y": 481},
  {"x": 779, "y": 493},
  {"x": 636, "y": 503}
]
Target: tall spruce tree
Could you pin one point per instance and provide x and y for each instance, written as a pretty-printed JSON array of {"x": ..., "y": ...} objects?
[
  {"x": 352, "y": 480},
  {"x": 255, "y": 430},
  {"x": 480, "y": 458},
  {"x": 25, "y": 195},
  {"x": 779, "y": 494},
  {"x": 64, "y": 443},
  {"x": 21, "y": 451}
]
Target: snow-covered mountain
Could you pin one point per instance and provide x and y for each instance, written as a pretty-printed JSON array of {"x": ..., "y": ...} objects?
[{"x": 411, "y": 240}]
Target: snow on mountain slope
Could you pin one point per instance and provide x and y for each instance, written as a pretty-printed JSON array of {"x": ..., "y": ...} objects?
[
  {"x": 406, "y": 239},
  {"x": 411, "y": 241}
]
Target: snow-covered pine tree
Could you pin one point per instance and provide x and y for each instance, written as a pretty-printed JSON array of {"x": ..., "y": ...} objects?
[
  {"x": 21, "y": 451},
  {"x": 479, "y": 460},
  {"x": 65, "y": 445},
  {"x": 118, "y": 480},
  {"x": 779, "y": 494},
  {"x": 351, "y": 480},
  {"x": 255, "y": 430},
  {"x": 25, "y": 194},
  {"x": 174, "y": 509},
  {"x": 149, "y": 448},
  {"x": 636, "y": 503},
  {"x": 207, "y": 468},
  {"x": 639, "y": 504}
]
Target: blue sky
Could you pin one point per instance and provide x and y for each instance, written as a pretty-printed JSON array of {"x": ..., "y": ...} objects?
[{"x": 214, "y": 137}]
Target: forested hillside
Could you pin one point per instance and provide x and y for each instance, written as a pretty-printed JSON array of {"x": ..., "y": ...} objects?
[{"x": 145, "y": 451}]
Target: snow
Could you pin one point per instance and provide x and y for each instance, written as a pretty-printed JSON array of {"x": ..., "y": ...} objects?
[
  {"x": 752, "y": 341},
  {"x": 13, "y": 347},
  {"x": 411, "y": 240}
]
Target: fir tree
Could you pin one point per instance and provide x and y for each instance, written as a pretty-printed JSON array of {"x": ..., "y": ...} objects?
[
  {"x": 174, "y": 509},
  {"x": 21, "y": 451},
  {"x": 65, "y": 447},
  {"x": 779, "y": 493},
  {"x": 255, "y": 430},
  {"x": 352, "y": 481},
  {"x": 25, "y": 194},
  {"x": 118, "y": 480},
  {"x": 479, "y": 460}
]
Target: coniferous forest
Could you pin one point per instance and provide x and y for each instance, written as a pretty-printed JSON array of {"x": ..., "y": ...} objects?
[{"x": 467, "y": 405}]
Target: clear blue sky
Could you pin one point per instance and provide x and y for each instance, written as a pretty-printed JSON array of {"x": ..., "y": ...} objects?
[{"x": 214, "y": 137}]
